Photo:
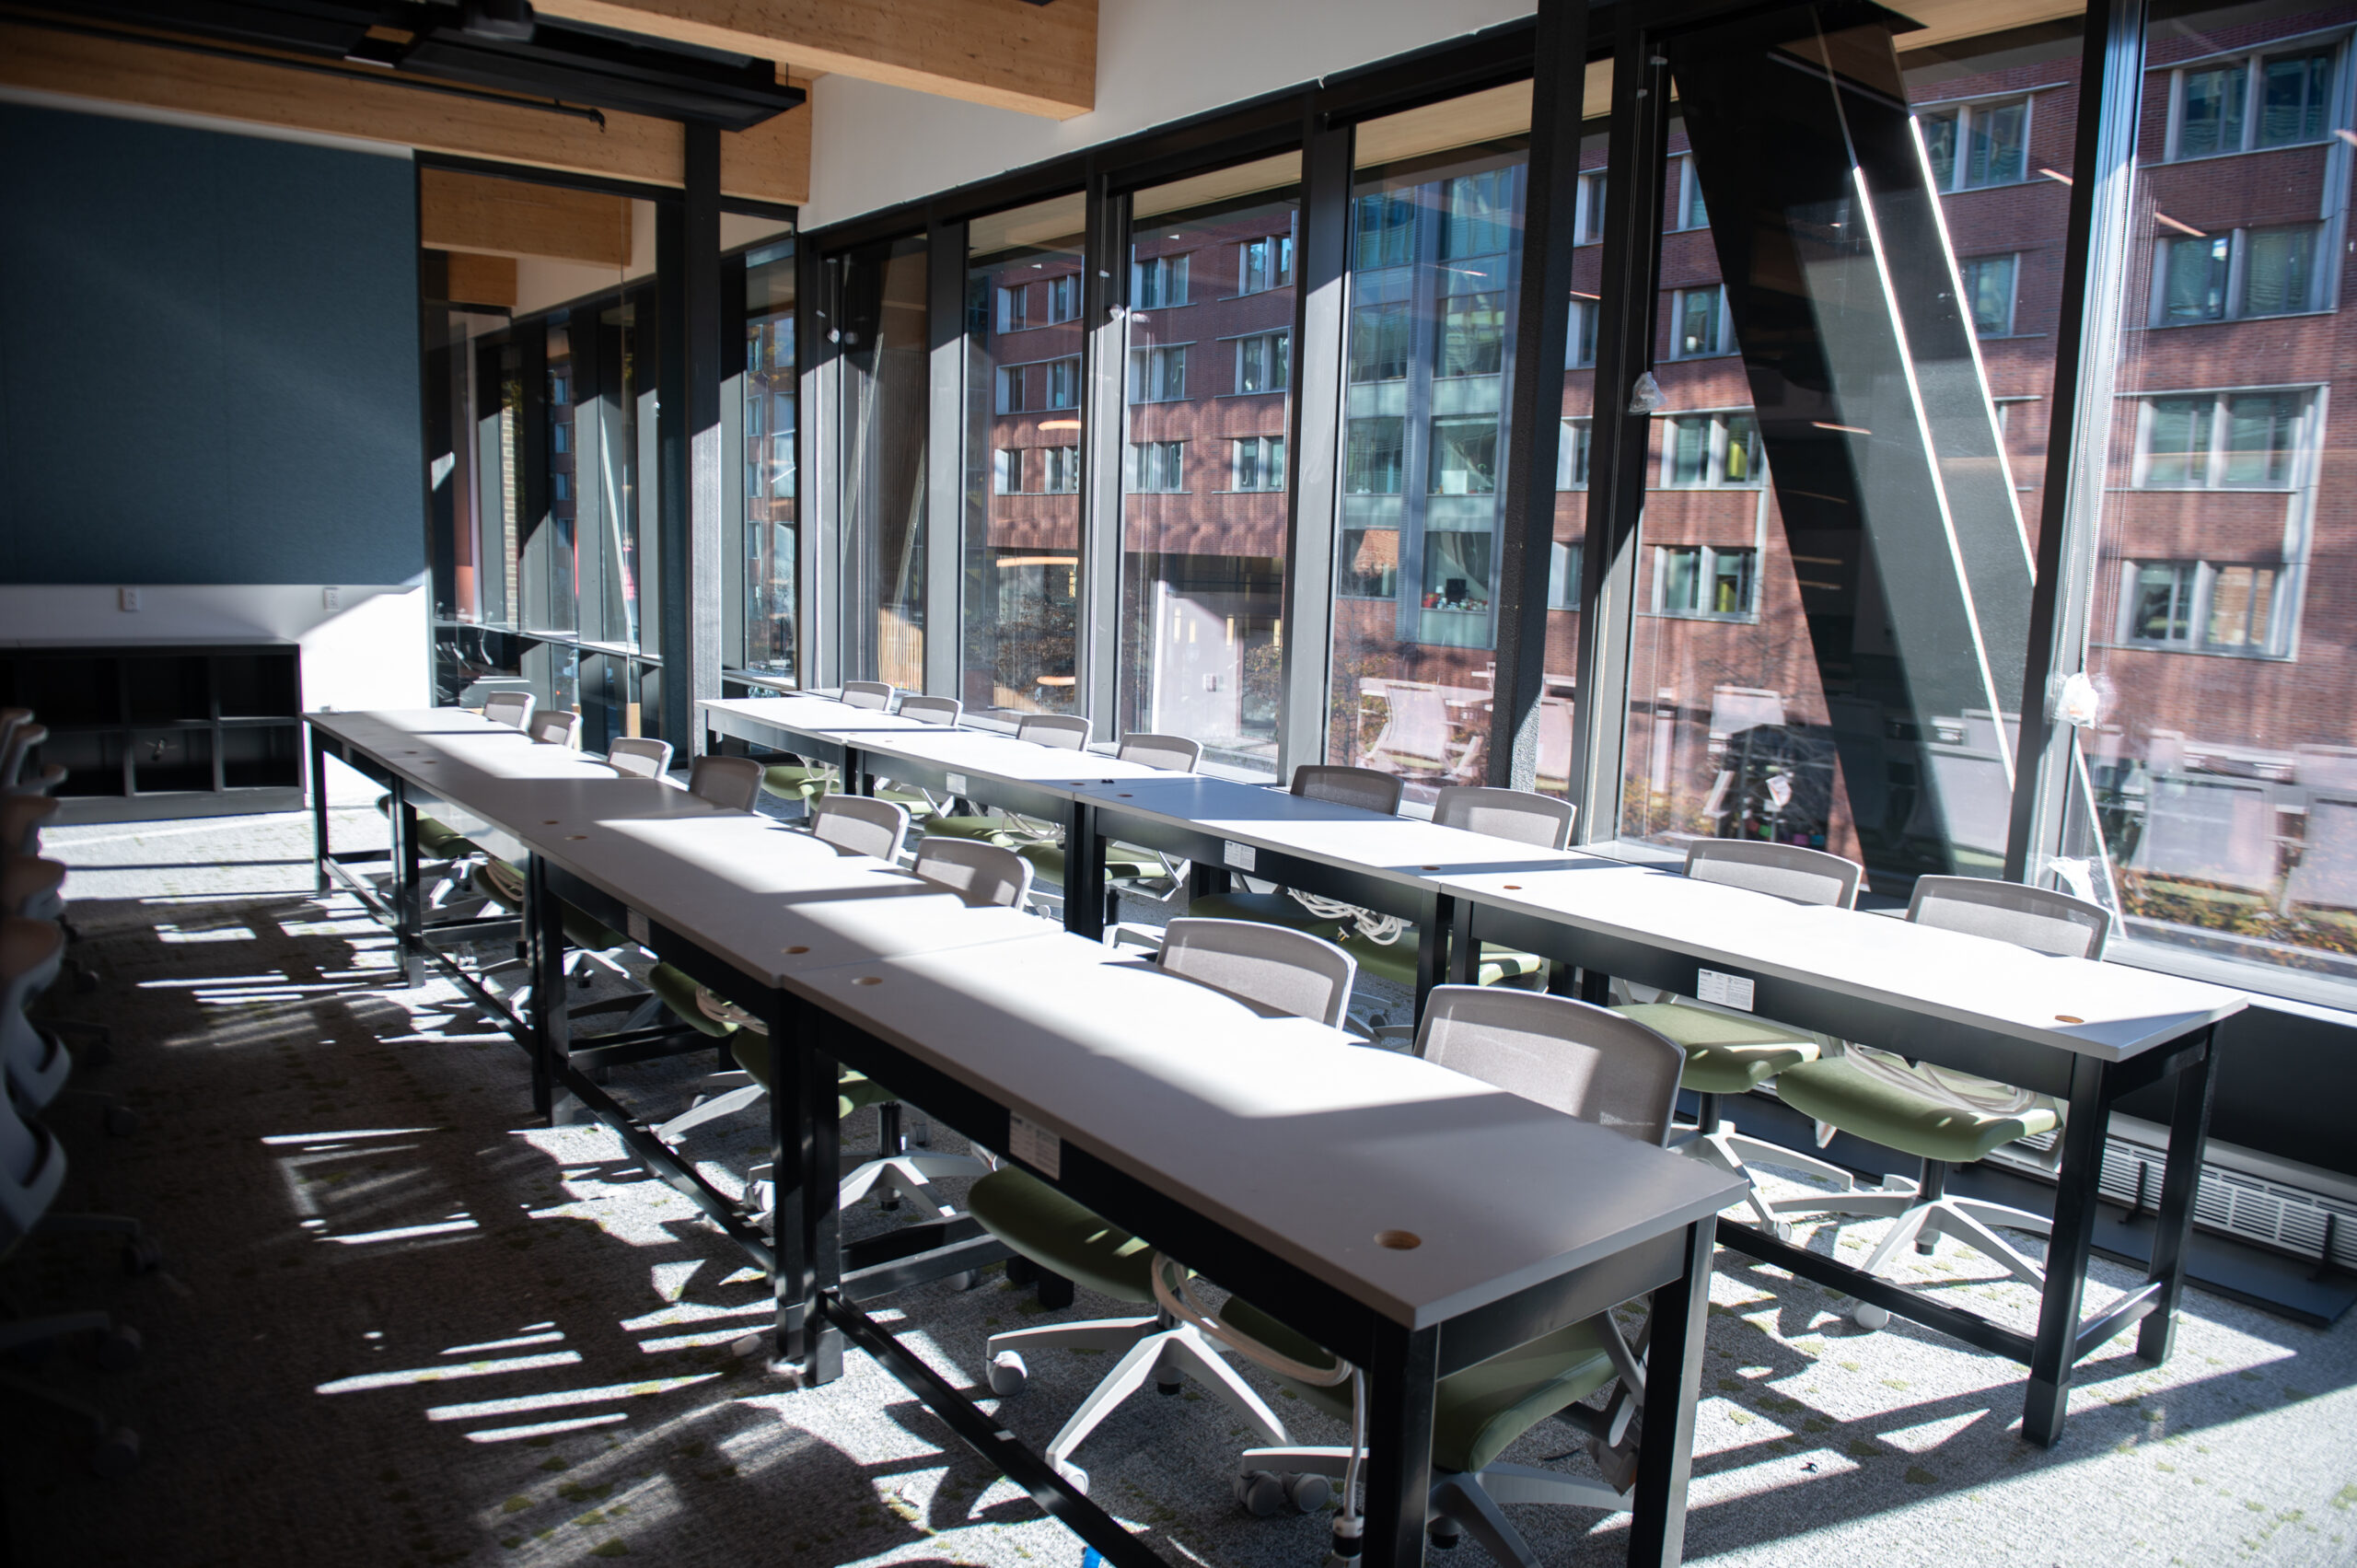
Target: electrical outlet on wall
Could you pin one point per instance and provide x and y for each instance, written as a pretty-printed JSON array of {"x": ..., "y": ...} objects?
[
  {"x": 331, "y": 599},
  {"x": 127, "y": 598}
]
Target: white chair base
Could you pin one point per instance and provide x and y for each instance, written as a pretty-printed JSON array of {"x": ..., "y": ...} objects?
[
  {"x": 1920, "y": 1217},
  {"x": 908, "y": 1174},
  {"x": 1725, "y": 1148},
  {"x": 1153, "y": 1348}
]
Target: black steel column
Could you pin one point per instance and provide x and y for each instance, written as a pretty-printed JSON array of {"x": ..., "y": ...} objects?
[
  {"x": 1665, "y": 1456},
  {"x": 1398, "y": 1469},
  {"x": 1535, "y": 398},
  {"x": 2180, "y": 1177},
  {"x": 687, "y": 292},
  {"x": 2076, "y": 1190}
]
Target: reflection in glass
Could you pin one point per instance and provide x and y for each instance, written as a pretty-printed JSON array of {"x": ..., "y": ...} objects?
[
  {"x": 772, "y": 426},
  {"x": 1210, "y": 357},
  {"x": 881, "y": 329}
]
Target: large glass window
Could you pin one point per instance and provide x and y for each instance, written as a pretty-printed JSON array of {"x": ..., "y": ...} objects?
[
  {"x": 2213, "y": 797},
  {"x": 880, "y": 324},
  {"x": 772, "y": 490},
  {"x": 1204, "y": 506},
  {"x": 1021, "y": 558}
]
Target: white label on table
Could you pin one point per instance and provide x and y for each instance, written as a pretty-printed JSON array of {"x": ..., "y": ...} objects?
[
  {"x": 635, "y": 924},
  {"x": 957, "y": 783},
  {"x": 1726, "y": 990},
  {"x": 1238, "y": 855},
  {"x": 1035, "y": 1146}
]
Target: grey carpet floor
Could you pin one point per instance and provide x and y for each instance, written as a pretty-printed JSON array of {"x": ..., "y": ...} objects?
[{"x": 402, "y": 1324}]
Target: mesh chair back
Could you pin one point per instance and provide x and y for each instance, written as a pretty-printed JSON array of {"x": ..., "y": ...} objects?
[
  {"x": 21, "y": 819},
  {"x": 554, "y": 727},
  {"x": 9, "y": 719},
  {"x": 1804, "y": 876},
  {"x": 2036, "y": 918},
  {"x": 1574, "y": 1057},
  {"x": 931, "y": 710},
  {"x": 1069, "y": 731},
  {"x": 1174, "y": 752},
  {"x": 511, "y": 708},
  {"x": 30, "y": 887},
  {"x": 1362, "y": 788},
  {"x": 731, "y": 782},
  {"x": 1289, "y": 971},
  {"x": 32, "y": 1167},
  {"x": 985, "y": 875},
  {"x": 860, "y": 824},
  {"x": 21, "y": 745},
  {"x": 1517, "y": 814},
  {"x": 868, "y": 693},
  {"x": 640, "y": 757}
]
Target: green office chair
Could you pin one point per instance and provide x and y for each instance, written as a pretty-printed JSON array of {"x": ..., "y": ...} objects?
[
  {"x": 1129, "y": 868},
  {"x": 1569, "y": 1056},
  {"x": 1729, "y": 1052},
  {"x": 1063, "y": 1241},
  {"x": 942, "y": 711},
  {"x": 1362, "y": 788},
  {"x": 1516, "y": 814},
  {"x": 1066, "y": 732},
  {"x": 985, "y": 875},
  {"x": 1942, "y": 1118},
  {"x": 806, "y": 781}
]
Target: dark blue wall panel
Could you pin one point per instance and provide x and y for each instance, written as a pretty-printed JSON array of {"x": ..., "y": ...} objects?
[{"x": 208, "y": 357}]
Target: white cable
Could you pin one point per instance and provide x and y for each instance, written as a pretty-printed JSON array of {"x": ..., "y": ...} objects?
[{"x": 1383, "y": 928}]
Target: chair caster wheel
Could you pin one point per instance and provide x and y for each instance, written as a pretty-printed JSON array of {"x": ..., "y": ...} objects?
[
  {"x": 141, "y": 1255},
  {"x": 1307, "y": 1494},
  {"x": 119, "y": 1349},
  {"x": 1260, "y": 1493},
  {"x": 1008, "y": 1375},
  {"x": 116, "y": 1455},
  {"x": 1781, "y": 1230},
  {"x": 1867, "y": 1315},
  {"x": 1169, "y": 1390},
  {"x": 967, "y": 1281},
  {"x": 1443, "y": 1535},
  {"x": 1074, "y": 1477},
  {"x": 122, "y": 1121}
]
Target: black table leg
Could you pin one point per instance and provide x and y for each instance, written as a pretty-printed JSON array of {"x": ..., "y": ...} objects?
[
  {"x": 1205, "y": 879},
  {"x": 2189, "y": 1136},
  {"x": 320, "y": 849},
  {"x": 1431, "y": 945},
  {"x": 1399, "y": 1465},
  {"x": 804, "y": 1171},
  {"x": 1083, "y": 873},
  {"x": 1464, "y": 964},
  {"x": 550, "y": 1024},
  {"x": 2076, "y": 1189},
  {"x": 1673, "y": 1376},
  {"x": 854, "y": 773},
  {"x": 408, "y": 893}
]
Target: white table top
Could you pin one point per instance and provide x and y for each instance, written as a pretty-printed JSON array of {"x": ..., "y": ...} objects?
[
  {"x": 1003, "y": 757},
  {"x": 1286, "y": 1131},
  {"x": 819, "y": 717},
  {"x": 1975, "y": 980}
]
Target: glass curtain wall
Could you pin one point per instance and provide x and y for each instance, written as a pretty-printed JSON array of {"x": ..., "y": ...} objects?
[
  {"x": 1021, "y": 556},
  {"x": 880, "y": 560},
  {"x": 1437, "y": 205},
  {"x": 1833, "y": 579},
  {"x": 768, "y": 413},
  {"x": 1207, "y": 395},
  {"x": 2222, "y": 771}
]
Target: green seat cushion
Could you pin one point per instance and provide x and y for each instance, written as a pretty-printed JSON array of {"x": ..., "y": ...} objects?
[
  {"x": 918, "y": 804},
  {"x": 1873, "y": 1106},
  {"x": 1476, "y": 1412},
  {"x": 1062, "y": 1236},
  {"x": 1123, "y": 862},
  {"x": 1724, "y": 1055},
  {"x": 1396, "y": 961},
  {"x": 580, "y": 929},
  {"x": 677, "y": 993},
  {"x": 797, "y": 782},
  {"x": 1266, "y": 909},
  {"x": 436, "y": 839},
  {"x": 981, "y": 830},
  {"x": 753, "y": 1054}
]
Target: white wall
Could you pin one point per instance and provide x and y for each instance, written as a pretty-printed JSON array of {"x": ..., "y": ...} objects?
[{"x": 1157, "y": 62}]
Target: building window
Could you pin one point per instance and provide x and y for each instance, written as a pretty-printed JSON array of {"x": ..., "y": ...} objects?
[
  {"x": 1158, "y": 281},
  {"x": 1711, "y": 451},
  {"x": 1370, "y": 563},
  {"x": 1564, "y": 575},
  {"x": 1580, "y": 352},
  {"x": 1063, "y": 300},
  {"x": 1975, "y": 145},
  {"x": 1158, "y": 374},
  {"x": 1589, "y": 220},
  {"x": 1682, "y": 196},
  {"x": 1006, "y": 471},
  {"x": 1465, "y": 456},
  {"x": 1990, "y": 283},
  {"x": 1014, "y": 308},
  {"x": 1385, "y": 230},
  {"x": 2200, "y": 606},
  {"x": 1473, "y": 335},
  {"x": 2193, "y": 287},
  {"x": 1381, "y": 338},
  {"x": 1697, "y": 581},
  {"x": 1157, "y": 467},
  {"x": 1371, "y": 454},
  {"x": 2276, "y": 268},
  {"x": 1264, "y": 265},
  {"x": 1264, "y": 363},
  {"x": 1257, "y": 462},
  {"x": 1697, "y": 324},
  {"x": 1010, "y": 389},
  {"x": 1482, "y": 215},
  {"x": 2211, "y": 105},
  {"x": 2222, "y": 441},
  {"x": 1063, "y": 471},
  {"x": 1063, "y": 383},
  {"x": 1571, "y": 456}
]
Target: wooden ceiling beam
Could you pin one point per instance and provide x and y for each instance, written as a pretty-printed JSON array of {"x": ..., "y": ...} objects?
[
  {"x": 1038, "y": 59},
  {"x": 769, "y": 163},
  {"x": 483, "y": 216}
]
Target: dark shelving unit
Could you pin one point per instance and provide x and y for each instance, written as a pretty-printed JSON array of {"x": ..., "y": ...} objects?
[{"x": 153, "y": 731}]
